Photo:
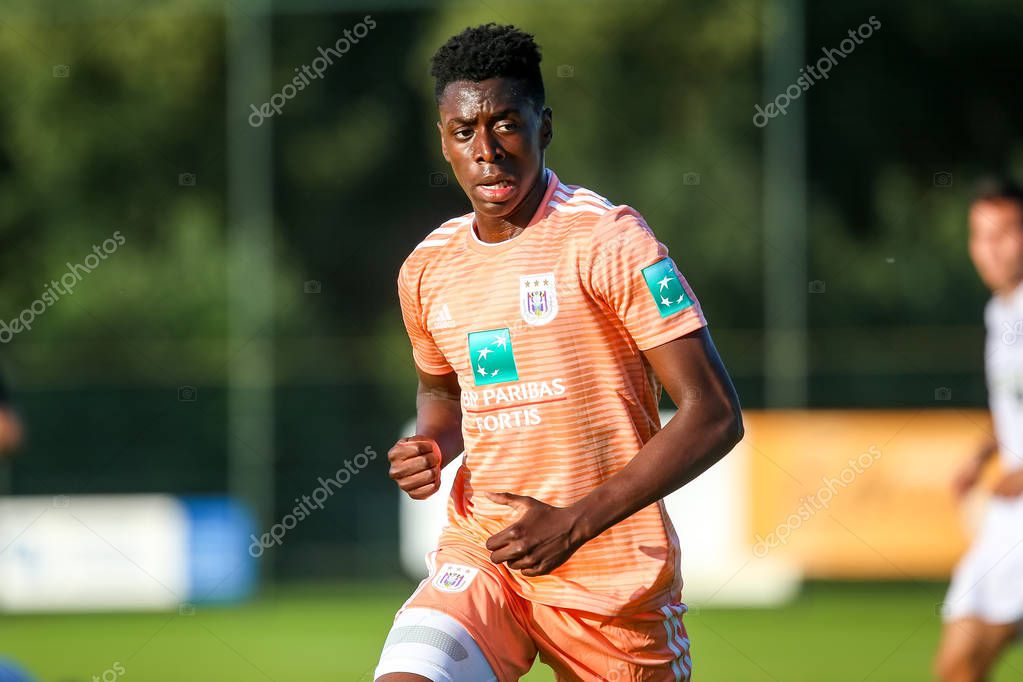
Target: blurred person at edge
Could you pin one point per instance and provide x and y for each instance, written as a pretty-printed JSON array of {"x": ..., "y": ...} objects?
[
  {"x": 11, "y": 433},
  {"x": 983, "y": 611}
]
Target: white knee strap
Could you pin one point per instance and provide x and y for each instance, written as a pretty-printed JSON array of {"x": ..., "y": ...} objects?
[{"x": 435, "y": 645}]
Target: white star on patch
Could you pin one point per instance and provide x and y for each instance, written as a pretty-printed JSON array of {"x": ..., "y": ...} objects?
[
  {"x": 500, "y": 340},
  {"x": 665, "y": 301},
  {"x": 664, "y": 282},
  {"x": 680, "y": 299},
  {"x": 482, "y": 371},
  {"x": 484, "y": 352}
]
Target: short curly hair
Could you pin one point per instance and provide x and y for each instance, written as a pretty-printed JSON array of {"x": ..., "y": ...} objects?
[{"x": 489, "y": 51}]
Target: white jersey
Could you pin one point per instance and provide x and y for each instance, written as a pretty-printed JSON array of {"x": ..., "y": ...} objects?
[
  {"x": 988, "y": 581},
  {"x": 1004, "y": 366}
]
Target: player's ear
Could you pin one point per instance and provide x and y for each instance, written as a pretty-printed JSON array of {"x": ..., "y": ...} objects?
[
  {"x": 546, "y": 127},
  {"x": 443, "y": 144}
]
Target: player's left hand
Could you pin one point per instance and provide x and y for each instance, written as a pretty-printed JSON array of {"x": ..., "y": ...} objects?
[
  {"x": 1011, "y": 485},
  {"x": 541, "y": 539}
]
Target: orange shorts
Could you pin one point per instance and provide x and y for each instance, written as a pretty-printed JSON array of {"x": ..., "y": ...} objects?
[{"x": 578, "y": 646}]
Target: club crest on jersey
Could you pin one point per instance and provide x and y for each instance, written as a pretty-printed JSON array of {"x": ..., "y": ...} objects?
[
  {"x": 454, "y": 577},
  {"x": 538, "y": 298}
]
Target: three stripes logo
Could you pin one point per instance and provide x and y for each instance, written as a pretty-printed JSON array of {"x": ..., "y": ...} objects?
[{"x": 443, "y": 318}]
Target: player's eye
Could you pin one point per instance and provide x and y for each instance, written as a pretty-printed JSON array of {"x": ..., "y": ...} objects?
[
  {"x": 463, "y": 134},
  {"x": 507, "y": 127}
]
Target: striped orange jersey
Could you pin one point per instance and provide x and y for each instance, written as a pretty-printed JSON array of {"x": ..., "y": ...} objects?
[{"x": 544, "y": 331}]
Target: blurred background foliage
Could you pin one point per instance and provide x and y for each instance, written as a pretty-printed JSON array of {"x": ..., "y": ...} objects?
[{"x": 108, "y": 108}]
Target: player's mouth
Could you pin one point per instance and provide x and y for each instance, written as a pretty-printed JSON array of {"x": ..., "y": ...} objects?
[{"x": 496, "y": 189}]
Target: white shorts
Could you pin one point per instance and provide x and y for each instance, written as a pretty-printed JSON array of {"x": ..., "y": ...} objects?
[{"x": 988, "y": 582}]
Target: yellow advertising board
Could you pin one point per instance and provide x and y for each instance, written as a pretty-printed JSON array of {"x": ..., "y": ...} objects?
[{"x": 863, "y": 494}]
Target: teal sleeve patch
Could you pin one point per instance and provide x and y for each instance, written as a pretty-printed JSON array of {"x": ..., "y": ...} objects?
[{"x": 662, "y": 279}]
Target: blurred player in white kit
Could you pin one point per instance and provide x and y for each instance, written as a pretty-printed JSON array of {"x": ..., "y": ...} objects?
[{"x": 983, "y": 611}]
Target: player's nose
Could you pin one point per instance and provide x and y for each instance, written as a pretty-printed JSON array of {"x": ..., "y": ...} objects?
[{"x": 487, "y": 148}]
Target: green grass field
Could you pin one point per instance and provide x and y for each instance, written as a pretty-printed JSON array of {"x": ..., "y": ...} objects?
[{"x": 832, "y": 632}]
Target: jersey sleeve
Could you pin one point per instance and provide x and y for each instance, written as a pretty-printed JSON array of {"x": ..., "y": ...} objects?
[
  {"x": 425, "y": 352},
  {"x": 631, "y": 273}
]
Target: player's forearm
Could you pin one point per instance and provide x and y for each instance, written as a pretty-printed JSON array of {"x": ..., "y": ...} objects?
[
  {"x": 440, "y": 417},
  {"x": 677, "y": 454},
  {"x": 986, "y": 450}
]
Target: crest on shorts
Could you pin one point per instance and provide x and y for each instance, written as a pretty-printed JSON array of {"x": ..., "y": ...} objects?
[
  {"x": 454, "y": 577},
  {"x": 538, "y": 298}
]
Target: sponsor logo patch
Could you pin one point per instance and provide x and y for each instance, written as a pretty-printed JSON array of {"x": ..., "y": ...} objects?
[
  {"x": 665, "y": 285},
  {"x": 491, "y": 356}
]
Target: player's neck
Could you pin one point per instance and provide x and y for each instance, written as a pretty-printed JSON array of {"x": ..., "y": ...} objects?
[
  {"x": 1010, "y": 289},
  {"x": 494, "y": 230}
]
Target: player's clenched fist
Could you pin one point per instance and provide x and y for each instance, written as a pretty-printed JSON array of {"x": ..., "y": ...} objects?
[{"x": 415, "y": 466}]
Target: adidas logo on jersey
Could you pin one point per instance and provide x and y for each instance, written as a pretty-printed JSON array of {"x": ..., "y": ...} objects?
[{"x": 443, "y": 319}]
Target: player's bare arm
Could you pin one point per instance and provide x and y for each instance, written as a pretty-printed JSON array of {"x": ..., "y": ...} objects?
[
  {"x": 703, "y": 430},
  {"x": 416, "y": 461},
  {"x": 1010, "y": 485},
  {"x": 969, "y": 473}
]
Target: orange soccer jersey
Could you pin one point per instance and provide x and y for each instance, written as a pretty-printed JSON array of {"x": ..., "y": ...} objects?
[{"x": 544, "y": 331}]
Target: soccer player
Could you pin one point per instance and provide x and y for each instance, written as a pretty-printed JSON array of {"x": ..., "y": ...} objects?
[
  {"x": 543, "y": 325},
  {"x": 983, "y": 611}
]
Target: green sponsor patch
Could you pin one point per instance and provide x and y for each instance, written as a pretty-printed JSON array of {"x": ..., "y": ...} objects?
[
  {"x": 662, "y": 278},
  {"x": 491, "y": 357}
]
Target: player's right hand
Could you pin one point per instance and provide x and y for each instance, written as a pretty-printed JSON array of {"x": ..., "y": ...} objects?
[{"x": 415, "y": 466}]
